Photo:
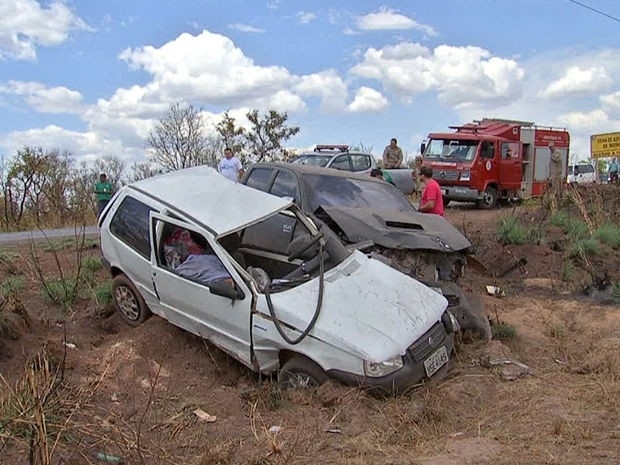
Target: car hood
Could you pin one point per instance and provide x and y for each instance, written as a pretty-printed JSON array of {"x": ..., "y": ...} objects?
[
  {"x": 369, "y": 309},
  {"x": 398, "y": 230}
]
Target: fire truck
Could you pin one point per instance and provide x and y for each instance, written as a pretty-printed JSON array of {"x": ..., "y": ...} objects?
[{"x": 494, "y": 159}]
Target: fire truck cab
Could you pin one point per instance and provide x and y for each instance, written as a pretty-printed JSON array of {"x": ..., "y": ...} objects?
[{"x": 494, "y": 159}]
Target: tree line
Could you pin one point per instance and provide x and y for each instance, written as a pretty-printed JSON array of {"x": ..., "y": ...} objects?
[{"x": 47, "y": 187}]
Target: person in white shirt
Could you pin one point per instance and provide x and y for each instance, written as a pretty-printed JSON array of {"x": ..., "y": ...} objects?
[{"x": 230, "y": 166}]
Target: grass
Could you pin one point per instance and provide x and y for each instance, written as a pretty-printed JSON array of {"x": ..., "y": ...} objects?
[
  {"x": 511, "y": 231},
  {"x": 92, "y": 264},
  {"x": 69, "y": 243},
  {"x": 503, "y": 331},
  {"x": 568, "y": 271},
  {"x": 609, "y": 234},
  {"x": 12, "y": 285},
  {"x": 103, "y": 293},
  {"x": 588, "y": 247},
  {"x": 615, "y": 292},
  {"x": 61, "y": 291}
]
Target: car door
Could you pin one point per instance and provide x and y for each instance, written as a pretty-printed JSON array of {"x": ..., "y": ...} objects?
[
  {"x": 510, "y": 165},
  {"x": 193, "y": 306},
  {"x": 341, "y": 162},
  {"x": 360, "y": 162}
]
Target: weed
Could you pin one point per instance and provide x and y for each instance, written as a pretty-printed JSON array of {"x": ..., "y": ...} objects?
[
  {"x": 560, "y": 219},
  {"x": 568, "y": 270},
  {"x": 61, "y": 291},
  {"x": 557, "y": 331},
  {"x": 10, "y": 262},
  {"x": 12, "y": 285},
  {"x": 609, "y": 234},
  {"x": 511, "y": 231},
  {"x": 615, "y": 292},
  {"x": 502, "y": 330},
  {"x": 92, "y": 264},
  {"x": 586, "y": 247},
  {"x": 103, "y": 293}
]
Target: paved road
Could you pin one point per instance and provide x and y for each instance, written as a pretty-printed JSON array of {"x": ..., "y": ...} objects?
[{"x": 46, "y": 233}]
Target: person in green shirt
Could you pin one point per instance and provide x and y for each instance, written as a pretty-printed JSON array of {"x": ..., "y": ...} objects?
[{"x": 104, "y": 191}]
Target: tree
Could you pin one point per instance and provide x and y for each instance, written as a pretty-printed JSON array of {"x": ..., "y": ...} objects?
[
  {"x": 231, "y": 134},
  {"x": 113, "y": 167},
  {"x": 178, "y": 141},
  {"x": 264, "y": 139}
]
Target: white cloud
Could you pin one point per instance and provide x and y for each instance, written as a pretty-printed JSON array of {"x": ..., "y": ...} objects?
[
  {"x": 245, "y": 28},
  {"x": 328, "y": 86},
  {"x": 585, "y": 121},
  {"x": 368, "y": 100},
  {"x": 389, "y": 19},
  {"x": 461, "y": 75},
  {"x": 27, "y": 24},
  {"x": 577, "y": 80},
  {"x": 45, "y": 99},
  {"x": 611, "y": 101},
  {"x": 305, "y": 17}
]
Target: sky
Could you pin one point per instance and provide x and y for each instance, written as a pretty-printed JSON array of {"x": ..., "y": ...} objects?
[{"x": 93, "y": 77}]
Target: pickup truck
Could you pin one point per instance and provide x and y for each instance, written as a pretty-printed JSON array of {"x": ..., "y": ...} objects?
[
  {"x": 339, "y": 157},
  {"x": 374, "y": 217}
]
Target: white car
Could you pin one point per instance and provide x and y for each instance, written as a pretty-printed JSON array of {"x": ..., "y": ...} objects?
[
  {"x": 295, "y": 300},
  {"x": 582, "y": 173}
]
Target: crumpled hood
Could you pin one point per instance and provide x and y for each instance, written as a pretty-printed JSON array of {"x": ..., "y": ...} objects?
[
  {"x": 369, "y": 309},
  {"x": 398, "y": 230}
]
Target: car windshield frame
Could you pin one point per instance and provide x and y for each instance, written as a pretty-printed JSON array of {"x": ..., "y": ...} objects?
[
  {"x": 340, "y": 191},
  {"x": 320, "y": 160},
  {"x": 452, "y": 149}
]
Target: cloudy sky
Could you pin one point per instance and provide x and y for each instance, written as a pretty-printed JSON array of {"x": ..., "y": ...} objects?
[{"x": 93, "y": 77}]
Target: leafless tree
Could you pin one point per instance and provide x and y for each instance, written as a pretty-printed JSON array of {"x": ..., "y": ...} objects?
[
  {"x": 232, "y": 136},
  {"x": 178, "y": 141}
]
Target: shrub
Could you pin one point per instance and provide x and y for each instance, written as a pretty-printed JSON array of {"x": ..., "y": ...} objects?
[
  {"x": 511, "y": 231},
  {"x": 609, "y": 234},
  {"x": 502, "y": 330}
]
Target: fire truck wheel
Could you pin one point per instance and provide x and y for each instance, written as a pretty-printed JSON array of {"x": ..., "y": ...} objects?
[{"x": 489, "y": 198}]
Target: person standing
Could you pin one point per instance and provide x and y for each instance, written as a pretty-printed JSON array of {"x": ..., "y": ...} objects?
[
  {"x": 230, "y": 167},
  {"x": 392, "y": 155},
  {"x": 415, "y": 174},
  {"x": 614, "y": 168},
  {"x": 555, "y": 176},
  {"x": 432, "y": 199},
  {"x": 104, "y": 190}
]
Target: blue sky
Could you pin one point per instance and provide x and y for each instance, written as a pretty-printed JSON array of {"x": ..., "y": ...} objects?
[{"x": 93, "y": 77}]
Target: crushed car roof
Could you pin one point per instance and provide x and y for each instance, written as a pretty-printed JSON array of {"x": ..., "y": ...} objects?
[{"x": 211, "y": 199}]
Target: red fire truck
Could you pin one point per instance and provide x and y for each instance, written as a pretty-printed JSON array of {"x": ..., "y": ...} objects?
[{"x": 493, "y": 159}]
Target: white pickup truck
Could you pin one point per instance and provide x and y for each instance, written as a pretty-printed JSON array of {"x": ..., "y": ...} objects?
[{"x": 339, "y": 157}]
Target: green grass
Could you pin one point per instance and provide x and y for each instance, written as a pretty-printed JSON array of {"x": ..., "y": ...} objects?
[
  {"x": 588, "y": 247},
  {"x": 609, "y": 234},
  {"x": 568, "y": 270},
  {"x": 503, "y": 331},
  {"x": 511, "y": 231},
  {"x": 615, "y": 292},
  {"x": 92, "y": 264},
  {"x": 62, "y": 292},
  {"x": 12, "y": 285},
  {"x": 103, "y": 293}
]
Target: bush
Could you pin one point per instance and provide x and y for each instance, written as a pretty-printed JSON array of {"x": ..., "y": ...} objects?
[
  {"x": 502, "y": 330},
  {"x": 609, "y": 234},
  {"x": 511, "y": 231}
]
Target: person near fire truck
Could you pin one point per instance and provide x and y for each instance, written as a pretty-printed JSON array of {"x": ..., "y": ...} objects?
[
  {"x": 432, "y": 199},
  {"x": 555, "y": 168},
  {"x": 392, "y": 155}
]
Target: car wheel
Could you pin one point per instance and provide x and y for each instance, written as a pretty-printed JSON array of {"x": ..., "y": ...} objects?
[
  {"x": 489, "y": 198},
  {"x": 128, "y": 301},
  {"x": 300, "y": 372}
]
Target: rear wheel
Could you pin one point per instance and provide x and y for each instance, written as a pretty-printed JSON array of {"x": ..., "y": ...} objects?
[
  {"x": 301, "y": 372},
  {"x": 128, "y": 301},
  {"x": 489, "y": 198}
]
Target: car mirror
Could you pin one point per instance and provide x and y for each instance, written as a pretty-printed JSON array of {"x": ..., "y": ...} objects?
[{"x": 224, "y": 289}]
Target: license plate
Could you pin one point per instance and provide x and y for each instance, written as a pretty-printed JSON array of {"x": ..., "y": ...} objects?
[
  {"x": 444, "y": 191},
  {"x": 436, "y": 361}
]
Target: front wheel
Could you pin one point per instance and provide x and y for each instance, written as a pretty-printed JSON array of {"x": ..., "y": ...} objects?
[
  {"x": 128, "y": 301},
  {"x": 489, "y": 198},
  {"x": 300, "y": 372}
]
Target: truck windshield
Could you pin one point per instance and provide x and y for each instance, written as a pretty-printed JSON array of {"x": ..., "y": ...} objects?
[
  {"x": 312, "y": 160},
  {"x": 459, "y": 150},
  {"x": 336, "y": 191}
]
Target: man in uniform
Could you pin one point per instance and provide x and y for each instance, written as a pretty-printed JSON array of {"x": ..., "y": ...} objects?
[
  {"x": 555, "y": 175},
  {"x": 392, "y": 155}
]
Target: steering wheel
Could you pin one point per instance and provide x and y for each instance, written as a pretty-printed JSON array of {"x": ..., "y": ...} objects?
[{"x": 299, "y": 253}]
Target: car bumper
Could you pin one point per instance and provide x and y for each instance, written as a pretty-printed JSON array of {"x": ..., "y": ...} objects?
[
  {"x": 460, "y": 193},
  {"x": 413, "y": 372}
]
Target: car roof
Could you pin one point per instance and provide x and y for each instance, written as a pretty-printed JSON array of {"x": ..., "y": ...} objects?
[
  {"x": 209, "y": 198},
  {"x": 317, "y": 170}
]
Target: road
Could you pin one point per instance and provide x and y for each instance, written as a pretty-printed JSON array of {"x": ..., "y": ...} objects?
[{"x": 46, "y": 233}]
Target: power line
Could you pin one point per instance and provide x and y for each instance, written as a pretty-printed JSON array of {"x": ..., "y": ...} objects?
[{"x": 595, "y": 10}]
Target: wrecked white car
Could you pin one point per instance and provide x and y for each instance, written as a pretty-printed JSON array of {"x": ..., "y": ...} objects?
[{"x": 202, "y": 253}]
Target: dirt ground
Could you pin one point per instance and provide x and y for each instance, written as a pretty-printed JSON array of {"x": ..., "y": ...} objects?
[{"x": 548, "y": 393}]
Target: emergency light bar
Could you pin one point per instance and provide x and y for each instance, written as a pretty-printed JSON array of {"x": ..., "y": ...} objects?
[{"x": 341, "y": 147}]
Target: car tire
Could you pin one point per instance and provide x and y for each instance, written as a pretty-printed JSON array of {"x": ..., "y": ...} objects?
[
  {"x": 301, "y": 372},
  {"x": 128, "y": 301},
  {"x": 489, "y": 198}
]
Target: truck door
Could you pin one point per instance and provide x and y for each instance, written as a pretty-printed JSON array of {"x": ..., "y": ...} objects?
[{"x": 510, "y": 166}]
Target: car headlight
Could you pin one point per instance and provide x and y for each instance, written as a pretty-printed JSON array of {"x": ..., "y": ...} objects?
[
  {"x": 377, "y": 369},
  {"x": 465, "y": 175},
  {"x": 450, "y": 322}
]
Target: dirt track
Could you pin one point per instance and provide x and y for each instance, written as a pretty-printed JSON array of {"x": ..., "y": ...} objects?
[{"x": 132, "y": 393}]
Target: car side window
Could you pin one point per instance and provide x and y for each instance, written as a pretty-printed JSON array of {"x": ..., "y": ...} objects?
[
  {"x": 131, "y": 225},
  {"x": 487, "y": 150},
  {"x": 341, "y": 162},
  {"x": 259, "y": 179},
  {"x": 360, "y": 162},
  {"x": 285, "y": 185}
]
